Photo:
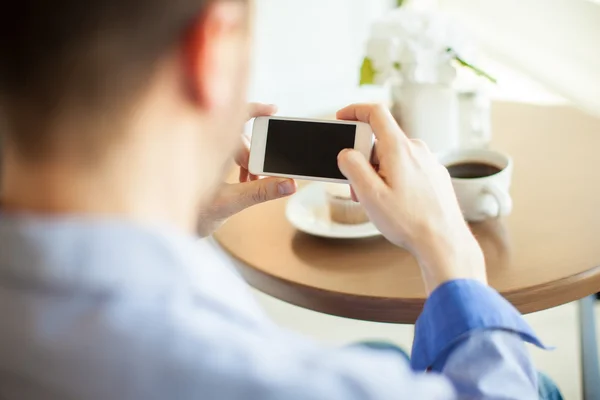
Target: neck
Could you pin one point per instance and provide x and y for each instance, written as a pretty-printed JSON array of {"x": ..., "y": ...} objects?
[
  {"x": 57, "y": 189},
  {"x": 148, "y": 177}
]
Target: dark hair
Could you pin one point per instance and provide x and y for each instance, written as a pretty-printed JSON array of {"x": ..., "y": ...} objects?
[{"x": 93, "y": 56}]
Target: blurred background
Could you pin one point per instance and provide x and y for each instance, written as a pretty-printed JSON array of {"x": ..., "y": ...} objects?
[
  {"x": 307, "y": 60},
  {"x": 311, "y": 46}
]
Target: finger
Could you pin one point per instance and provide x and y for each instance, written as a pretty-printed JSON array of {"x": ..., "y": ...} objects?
[
  {"x": 243, "y": 175},
  {"x": 382, "y": 122},
  {"x": 353, "y": 194},
  {"x": 240, "y": 196},
  {"x": 374, "y": 155},
  {"x": 246, "y": 140},
  {"x": 261, "y": 109},
  {"x": 366, "y": 184},
  {"x": 242, "y": 156}
]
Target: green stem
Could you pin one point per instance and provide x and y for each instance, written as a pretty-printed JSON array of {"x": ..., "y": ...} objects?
[{"x": 473, "y": 68}]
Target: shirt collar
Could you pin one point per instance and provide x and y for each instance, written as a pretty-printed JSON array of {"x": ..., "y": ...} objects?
[{"x": 87, "y": 253}]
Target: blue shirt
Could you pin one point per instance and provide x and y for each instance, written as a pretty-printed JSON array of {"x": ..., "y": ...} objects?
[{"x": 93, "y": 309}]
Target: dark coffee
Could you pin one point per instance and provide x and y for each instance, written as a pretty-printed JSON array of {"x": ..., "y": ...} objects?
[{"x": 471, "y": 170}]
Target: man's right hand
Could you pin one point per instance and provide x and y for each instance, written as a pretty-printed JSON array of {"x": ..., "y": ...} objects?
[{"x": 410, "y": 198}]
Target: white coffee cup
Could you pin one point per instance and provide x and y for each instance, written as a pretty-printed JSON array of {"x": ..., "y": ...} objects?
[{"x": 484, "y": 197}]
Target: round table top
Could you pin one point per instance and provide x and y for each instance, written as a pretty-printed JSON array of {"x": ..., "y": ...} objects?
[{"x": 546, "y": 253}]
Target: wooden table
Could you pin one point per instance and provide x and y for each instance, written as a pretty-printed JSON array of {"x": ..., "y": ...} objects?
[{"x": 545, "y": 254}]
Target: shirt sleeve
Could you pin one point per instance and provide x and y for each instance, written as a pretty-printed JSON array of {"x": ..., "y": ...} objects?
[
  {"x": 492, "y": 364},
  {"x": 231, "y": 360},
  {"x": 455, "y": 310},
  {"x": 203, "y": 349}
]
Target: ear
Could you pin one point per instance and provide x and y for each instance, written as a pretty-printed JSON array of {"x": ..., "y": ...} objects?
[{"x": 215, "y": 46}]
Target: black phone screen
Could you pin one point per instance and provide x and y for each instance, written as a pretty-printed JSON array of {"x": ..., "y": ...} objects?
[{"x": 306, "y": 148}]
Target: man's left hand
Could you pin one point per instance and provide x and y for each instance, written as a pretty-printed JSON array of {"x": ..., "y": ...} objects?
[{"x": 233, "y": 198}]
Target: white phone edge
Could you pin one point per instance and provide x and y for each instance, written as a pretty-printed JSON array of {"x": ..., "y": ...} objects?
[{"x": 363, "y": 142}]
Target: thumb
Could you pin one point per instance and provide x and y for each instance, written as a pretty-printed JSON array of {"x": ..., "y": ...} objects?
[
  {"x": 240, "y": 196},
  {"x": 364, "y": 179}
]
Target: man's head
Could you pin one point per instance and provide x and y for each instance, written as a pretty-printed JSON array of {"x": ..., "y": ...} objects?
[{"x": 146, "y": 87}]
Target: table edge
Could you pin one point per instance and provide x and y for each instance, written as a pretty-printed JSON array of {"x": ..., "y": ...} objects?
[{"x": 407, "y": 310}]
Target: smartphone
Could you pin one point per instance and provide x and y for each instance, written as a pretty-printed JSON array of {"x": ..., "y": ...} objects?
[{"x": 305, "y": 148}]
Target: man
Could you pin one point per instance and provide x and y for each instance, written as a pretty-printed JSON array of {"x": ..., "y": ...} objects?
[{"x": 122, "y": 116}]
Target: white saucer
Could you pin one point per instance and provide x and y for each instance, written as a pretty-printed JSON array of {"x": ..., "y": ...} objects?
[{"x": 307, "y": 210}]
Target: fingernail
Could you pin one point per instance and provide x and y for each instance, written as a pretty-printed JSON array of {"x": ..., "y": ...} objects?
[
  {"x": 343, "y": 152},
  {"x": 285, "y": 187},
  {"x": 352, "y": 156}
]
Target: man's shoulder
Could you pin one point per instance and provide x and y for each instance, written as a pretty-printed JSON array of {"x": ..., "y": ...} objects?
[
  {"x": 133, "y": 309},
  {"x": 133, "y": 343}
]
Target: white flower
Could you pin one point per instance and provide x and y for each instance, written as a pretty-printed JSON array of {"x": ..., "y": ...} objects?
[
  {"x": 416, "y": 40},
  {"x": 382, "y": 52}
]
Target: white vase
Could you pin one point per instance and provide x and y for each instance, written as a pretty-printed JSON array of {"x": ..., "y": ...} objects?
[
  {"x": 475, "y": 125},
  {"x": 427, "y": 111}
]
